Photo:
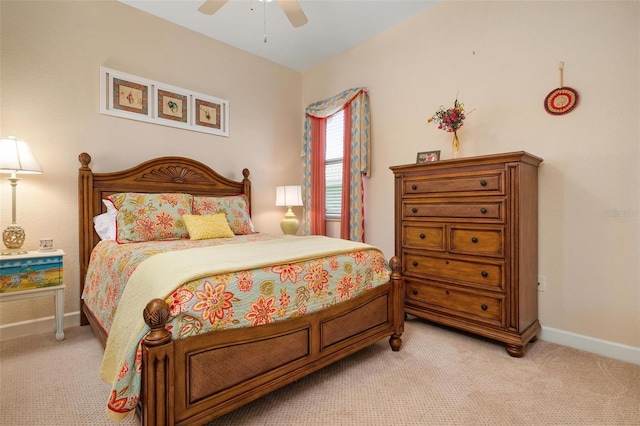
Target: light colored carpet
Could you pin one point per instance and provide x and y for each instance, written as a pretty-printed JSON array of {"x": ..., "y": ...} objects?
[{"x": 439, "y": 377}]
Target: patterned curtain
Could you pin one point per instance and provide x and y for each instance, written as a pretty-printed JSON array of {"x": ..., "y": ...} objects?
[{"x": 357, "y": 165}]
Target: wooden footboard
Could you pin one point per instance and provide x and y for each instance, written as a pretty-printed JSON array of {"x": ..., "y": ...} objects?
[{"x": 197, "y": 379}]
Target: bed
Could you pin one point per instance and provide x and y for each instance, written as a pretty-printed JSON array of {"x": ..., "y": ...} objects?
[{"x": 199, "y": 377}]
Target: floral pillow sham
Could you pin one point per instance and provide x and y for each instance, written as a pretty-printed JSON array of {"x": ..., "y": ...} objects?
[
  {"x": 236, "y": 207},
  {"x": 151, "y": 217}
]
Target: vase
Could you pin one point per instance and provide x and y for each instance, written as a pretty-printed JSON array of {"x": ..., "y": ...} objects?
[{"x": 455, "y": 144}]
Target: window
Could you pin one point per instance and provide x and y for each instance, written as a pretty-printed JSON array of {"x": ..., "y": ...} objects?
[{"x": 333, "y": 164}]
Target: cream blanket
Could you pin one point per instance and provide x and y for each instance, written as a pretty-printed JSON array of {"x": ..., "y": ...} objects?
[{"x": 159, "y": 275}]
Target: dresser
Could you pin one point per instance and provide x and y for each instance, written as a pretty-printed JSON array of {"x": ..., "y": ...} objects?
[{"x": 466, "y": 233}]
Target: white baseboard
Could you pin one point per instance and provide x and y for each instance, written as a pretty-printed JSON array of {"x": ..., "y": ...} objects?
[
  {"x": 590, "y": 344},
  {"x": 37, "y": 326},
  {"x": 566, "y": 338}
]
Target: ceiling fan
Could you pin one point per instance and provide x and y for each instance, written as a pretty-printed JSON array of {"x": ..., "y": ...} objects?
[{"x": 291, "y": 8}]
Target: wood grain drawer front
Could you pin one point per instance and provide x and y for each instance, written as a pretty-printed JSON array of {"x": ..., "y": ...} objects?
[
  {"x": 481, "y": 242},
  {"x": 475, "y": 184},
  {"x": 449, "y": 300},
  {"x": 424, "y": 237},
  {"x": 489, "y": 210},
  {"x": 477, "y": 274}
]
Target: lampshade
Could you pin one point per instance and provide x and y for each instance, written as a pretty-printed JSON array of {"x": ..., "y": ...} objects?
[
  {"x": 288, "y": 196},
  {"x": 16, "y": 156}
]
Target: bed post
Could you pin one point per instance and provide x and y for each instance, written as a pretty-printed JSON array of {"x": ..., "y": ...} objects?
[
  {"x": 85, "y": 216},
  {"x": 157, "y": 390},
  {"x": 398, "y": 303},
  {"x": 247, "y": 187}
]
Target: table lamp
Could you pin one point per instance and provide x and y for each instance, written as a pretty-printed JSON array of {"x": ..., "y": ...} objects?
[
  {"x": 289, "y": 196},
  {"x": 15, "y": 157}
]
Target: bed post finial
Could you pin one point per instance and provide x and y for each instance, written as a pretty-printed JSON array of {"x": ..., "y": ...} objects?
[
  {"x": 85, "y": 160},
  {"x": 156, "y": 314}
]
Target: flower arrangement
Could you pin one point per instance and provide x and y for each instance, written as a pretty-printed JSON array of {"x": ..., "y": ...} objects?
[{"x": 449, "y": 120}]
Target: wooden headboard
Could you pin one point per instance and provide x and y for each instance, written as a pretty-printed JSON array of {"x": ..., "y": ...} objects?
[{"x": 160, "y": 175}]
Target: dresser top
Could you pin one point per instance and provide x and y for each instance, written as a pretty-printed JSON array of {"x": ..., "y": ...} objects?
[
  {"x": 508, "y": 157},
  {"x": 33, "y": 254}
]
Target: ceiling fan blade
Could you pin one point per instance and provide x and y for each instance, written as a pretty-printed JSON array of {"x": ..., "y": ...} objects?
[
  {"x": 209, "y": 7},
  {"x": 294, "y": 12}
]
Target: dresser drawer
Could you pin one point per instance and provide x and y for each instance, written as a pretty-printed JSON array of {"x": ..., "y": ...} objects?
[
  {"x": 427, "y": 237},
  {"x": 489, "y": 210},
  {"x": 447, "y": 299},
  {"x": 484, "y": 275},
  {"x": 475, "y": 241},
  {"x": 483, "y": 183},
  {"x": 31, "y": 271}
]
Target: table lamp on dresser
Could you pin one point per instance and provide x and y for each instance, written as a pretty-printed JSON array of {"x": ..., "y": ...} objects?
[{"x": 15, "y": 157}]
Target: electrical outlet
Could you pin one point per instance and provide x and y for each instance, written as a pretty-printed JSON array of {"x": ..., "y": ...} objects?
[{"x": 542, "y": 283}]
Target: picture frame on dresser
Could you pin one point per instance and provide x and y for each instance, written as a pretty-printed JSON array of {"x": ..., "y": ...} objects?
[{"x": 427, "y": 157}]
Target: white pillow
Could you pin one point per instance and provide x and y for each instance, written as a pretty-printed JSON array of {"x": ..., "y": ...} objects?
[{"x": 105, "y": 223}]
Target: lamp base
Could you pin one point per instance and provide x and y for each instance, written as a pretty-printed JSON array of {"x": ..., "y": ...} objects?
[
  {"x": 13, "y": 238},
  {"x": 290, "y": 223}
]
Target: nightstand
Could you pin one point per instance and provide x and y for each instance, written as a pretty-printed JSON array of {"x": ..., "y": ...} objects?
[{"x": 34, "y": 274}]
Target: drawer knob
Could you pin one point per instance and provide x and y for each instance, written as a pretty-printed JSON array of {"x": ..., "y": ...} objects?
[
  {"x": 474, "y": 239},
  {"x": 485, "y": 274},
  {"x": 422, "y": 236},
  {"x": 484, "y": 307},
  {"x": 446, "y": 262},
  {"x": 483, "y": 210},
  {"x": 414, "y": 187},
  {"x": 483, "y": 182},
  {"x": 415, "y": 292},
  {"x": 446, "y": 291},
  {"x": 414, "y": 210},
  {"x": 415, "y": 263}
]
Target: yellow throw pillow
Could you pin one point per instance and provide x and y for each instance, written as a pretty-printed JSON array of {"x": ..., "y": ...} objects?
[{"x": 207, "y": 226}]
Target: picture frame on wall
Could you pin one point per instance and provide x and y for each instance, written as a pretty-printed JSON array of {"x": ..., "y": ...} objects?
[
  {"x": 172, "y": 106},
  {"x": 130, "y": 96},
  {"x": 125, "y": 95},
  {"x": 137, "y": 98},
  {"x": 428, "y": 156},
  {"x": 210, "y": 114}
]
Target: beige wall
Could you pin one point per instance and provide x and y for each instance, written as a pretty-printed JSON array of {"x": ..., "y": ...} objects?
[
  {"x": 502, "y": 59},
  {"x": 51, "y": 54}
]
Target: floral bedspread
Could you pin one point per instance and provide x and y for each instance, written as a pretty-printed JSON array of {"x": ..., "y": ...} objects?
[{"x": 239, "y": 299}]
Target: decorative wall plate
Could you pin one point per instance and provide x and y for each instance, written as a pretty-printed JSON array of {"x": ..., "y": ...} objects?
[{"x": 561, "y": 101}]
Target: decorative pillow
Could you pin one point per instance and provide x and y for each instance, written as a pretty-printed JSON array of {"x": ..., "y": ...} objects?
[
  {"x": 105, "y": 223},
  {"x": 208, "y": 226},
  {"x": 150, "y": 217},
  {"x": 236, "y": 208}
]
